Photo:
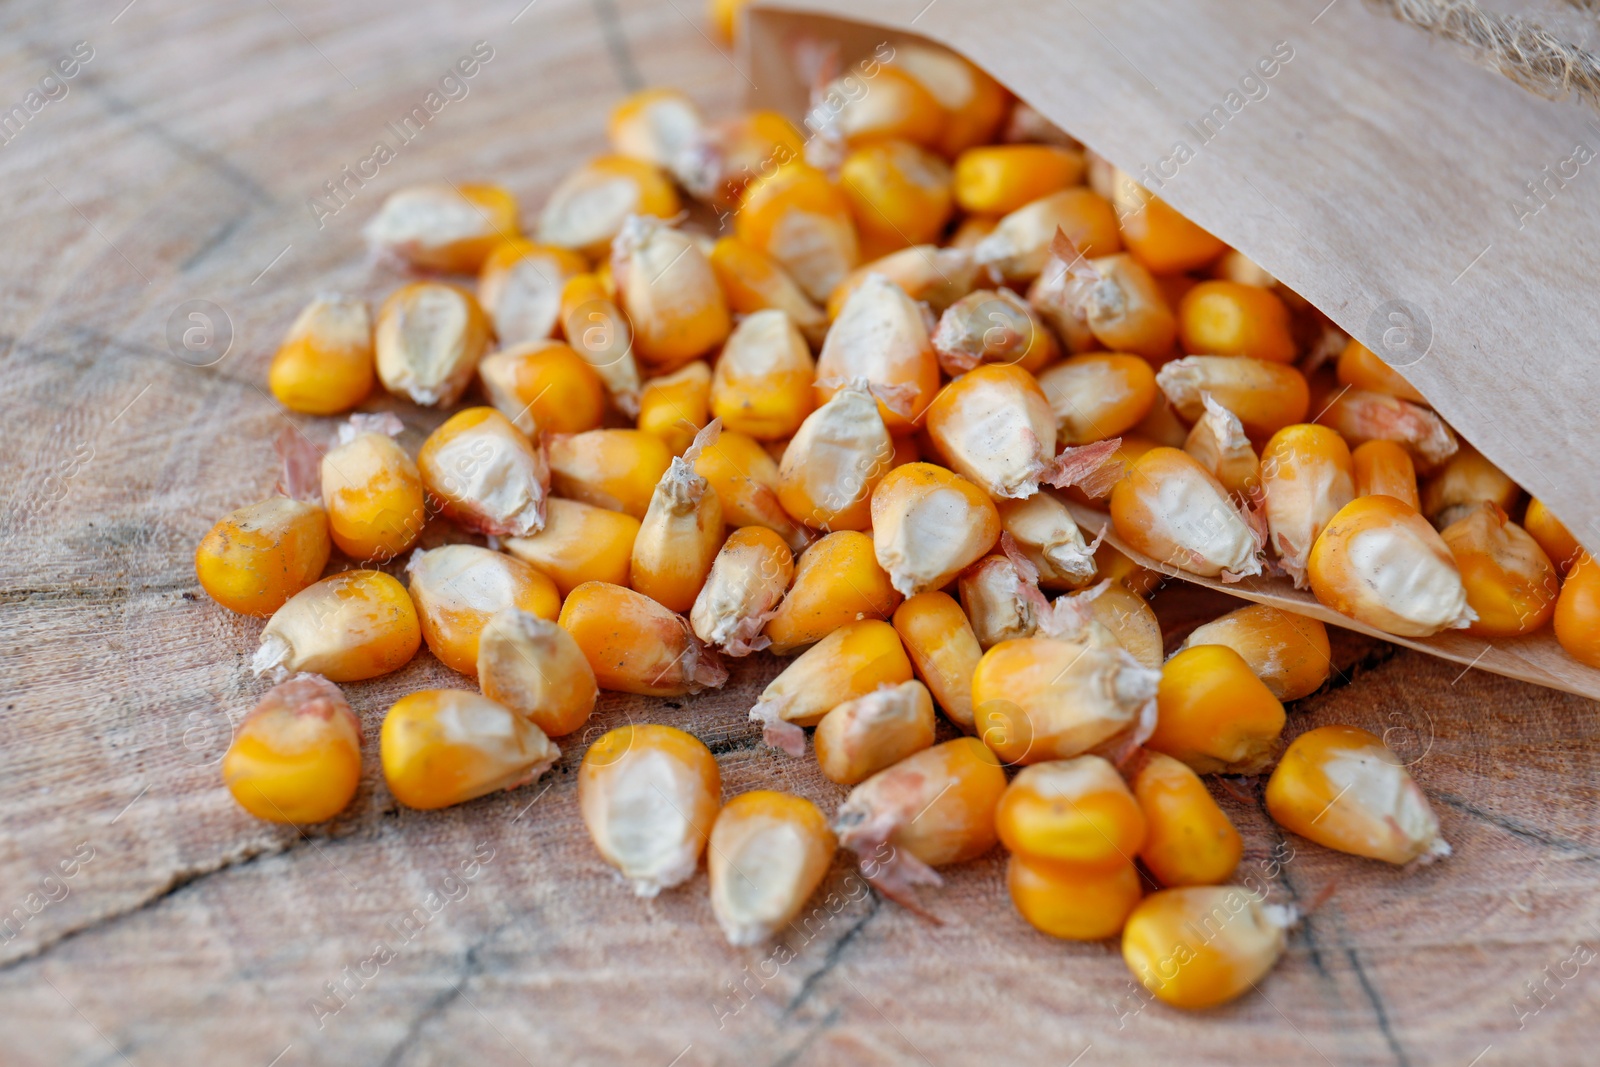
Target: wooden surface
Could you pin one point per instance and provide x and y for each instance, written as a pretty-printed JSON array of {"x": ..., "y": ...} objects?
[{"x": 177, "y": 168}]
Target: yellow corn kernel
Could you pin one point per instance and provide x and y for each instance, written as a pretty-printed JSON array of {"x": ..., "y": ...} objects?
[
  {"x": 325, "y": 364},
  {"x": 1384, "y": 468},
  {"x": 880, "y": 335},
  {"x": 1131, "y": 621},
  {"x": 993, "y": 326},
  {"x": 635, "y": 645},
  {"x": 899, "y": 193},
  {"x": 1306, "y": 478},
  {"x": 850, "y": 662},
  {"x": 1288, "y": 652},
  {"x": 520, "y": 287},
  {"x": 862, "y": 736},
  {"x": 1076, "y": 811},
  {"x": 998, "y": 179},
  {"x": 676, "y": 406},
  {"x": 943, "y": 650},
  {"x": 799, "y": 218},
  {"x": 1098, "y": 396},
  {"x": 428, "y": 341},
  {"x": 679, "y": 536},
  {"x": 544, "y": 387},
  {"x": 486, "y": 474},
  {"x": 1360, "y": 416},
  {"x": 373, "y": 491},
  {"x": 1577, "y": 617},
  {"x": 1222, "y": 318},
  {"x": 753, "y": 282},
  {"x": 444, "y": 226},
  {"x": 1380, "y": 563},
  {"x": 895, "y": 107},
  {"x": 745, "y": 479},
  {"x": 1121, "y": 570},
  {"x": 1044, "y": 530},
  {"x": 296, "y": 758},
  {"x": 837, "y": 581},
  {"x": 457, "y": 588},
  {"x": 599, "y": 333},
  {"x": 974, "y": 103},
  {"x": 1199, "y": 946},
  {"x": 1170, "y": 508},
  {"x": 1219, "y": 444},
  {"x": 447, "y": 746},
  {"x": 1360, "y": 368},
  {"x": 762, "y": 385},
  {"x": 656, "y": 126},
  {"x": 649, "y": 795},
  {"x": 347, "y": 628},
  {"x": 616, "y": 469},
  {"x": 928, "y": 524},
  {"x": 1189, "y": 841},
  {"x": 1214, "y": 714},
  {"x": 1066, "y": 901},
  {"x": 1465, "y": 481},
  {"x": 1153, "y": 230},
  {"x": 748, "y": 578},
  {"x": 935, "y": 276},
  {"x": 1020, "y": 245},
  {"x": 769, "y": 852},
  {"x": 590, "y": 205},
  {"x": 997, "y": 596},
  {"x": 734, "y": 152},
  {"x": 579, "y": 543},
  {"x": 256, "y": 557},
  {"x": 1265, "y": 396},
  {"x": 1556, "y": 540},
  {"x": 1125, "y": 309},
  {"x": 726, "y": 17},
  {"x": 534, "y": 667},
  {"x": 1510, "y": 582},
  {"x": 834, "y": 462},
  {"x": 670, "y": 293},
  {"x": 1341, "y": 787}
]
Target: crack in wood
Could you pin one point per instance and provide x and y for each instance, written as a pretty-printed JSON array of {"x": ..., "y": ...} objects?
[
  {"x": 1378, "y": 1009},
  {"x": 827, "y": 1022},
  {"x": 1516, "y": 827},
  {"x": 831, "y": 959},
  {"x": 471, "y": 967}
]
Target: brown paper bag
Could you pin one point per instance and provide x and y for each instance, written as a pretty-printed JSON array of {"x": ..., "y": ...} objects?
[{"x": 1444, "y": 217}]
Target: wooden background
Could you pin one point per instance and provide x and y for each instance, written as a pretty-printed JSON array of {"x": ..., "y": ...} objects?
[{"x": 176, "y": 168}]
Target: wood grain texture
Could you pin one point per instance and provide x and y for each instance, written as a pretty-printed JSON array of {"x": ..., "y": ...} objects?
[{"x": 177, "y": 168}]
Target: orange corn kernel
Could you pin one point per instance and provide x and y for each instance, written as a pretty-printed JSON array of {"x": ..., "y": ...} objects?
[
  {"x": 544, "y": 387},
  {"x": 457, "y": 588},
  {"x": 993, "y": 326},
  {"x": 1306, "y": 478},
  {"x": 769, "y": 852},
  {"x": 534, "y": 667},
  {"x": 1131, "y": 621},
  {"x": 1020, "y": 245},
  {"x": 1076, "y": 811},
  {"x": 880, "y": 335},
  {"x": 325, "y": 364},
  {"x": 834, "y": 461},
  {"x": 444, "y": 227},
  {"x": 1098, "y": 396},
  {"x": 935, "y": 276},
  {"x": 1189, "y": 840},
  {"x": 1360, "y": 368},
  {"x": 635, "y": 645},
  {"x": 1465, "y": 481},
  {"x": 837, "y": 581},
  {"x": 862, "y": 736},
  {"x": 850, "y": 662},
  {"x": 1360, "y": 416},
  {"x": 993, "y": 425},
  {"x": 296, "y": 757},
  {"x": 428, "y": 341},
  {"x": 1046, "y": 533},
  {"x": 745, "y": 479},
  {"x": 1384, "y": 468},
  {"x": 974, "y": 103},
  {"x": 997, "y": 596},
  {"x": 1065, "y": 901},
  {"x": 1235, "y": 266},
  {"x": 752, "y": 281},
  {"x": 943, "y": 650},
  {"x": 928, "y": 524},
  {"x": 656, "y": 126},
  {"x": 590, "y": 205},
  {"x": 447, "y": 746},
  {"x": 1342, "y": 788},
  {"x": 256, "y": 557},
  {"x": 726, "y": 17},
  {"x": 649, "y": 796},
  {"x": 1124, "y": 308},
  {"x": 1577, "y": 617},
  {"x": 1219, "y": 318},
  {"x": 347, "y": 628},
  {"x": 1214, "y": 714},
  {"x": 679, "y": 537},
  {"x": 486, "y": 474},
  {"x": 1511, "y": 584},
  {"x": 579, "y": 543},
  {"x": 373, "y": 491},
  {"x": 895, "y": 106},
  {"x": 998, "y": 179},
  {"x": 599, "y": 333},
  {"x": 1265, "y": 396},
  {"x": 762, "y": 385},
  {"x": 1162, "y": 426},
  {"x": 1170, "y": 508},
  {"x": 520, "y": 288},
  {"x": 1219, "y": 444},
  {"x": 1556, "y": 540},
  {"x": 734, "y": 152},
  {"x": 748, "y": 579},
  {"x": 1380, "y": 563},
  {"x": 801, "y": 219},
  {"x": 616, "y": 469},
  {"x": 1199, "y": 946},
  {"x": 1153, "y": 230},
  {"x": 1288, "y": 652},
  {"x": 899, "y": 193},
  {"x": 670, "y": 293},
  {"x": 677, "y": 406}
]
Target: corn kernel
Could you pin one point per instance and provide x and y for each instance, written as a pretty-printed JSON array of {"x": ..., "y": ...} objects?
[
  {"x": 727, "y": 16},
  {"x": 998, "y": 179},
  {"x": 677, "y": 406},
  {"x": 897, "y": 107},
  {"x": 1265, "y": 396},
  {"x": 544, "y": 387},
  {"x": 1360, "y": 368},
  {"x": 801, "y": 219},
  {"x": 1199, "y": 946},
  {"x": 532, "y": 666},
  {"x": 1058, "y": 295},
  {"x": 753, "y": 282},
  {"x": 1065, "y": 901},
  {"x": 655, "y": 126},
  {"x": 834, "y": 462},
  {"x": 520, "y": 288},
  {"x": 880, "y": 335},
  {"x": 748, "y": 579},
  {"x": 1076, "y": 811},
  {"x": 974, "y": 103},
  {"x": 256, "y": 557},
  {"x": 347, "y": 628},
  {"x": 1214, "y": 714},
  {"x": 1189, "y": 841},
  {"x": 1162, "y": 426},
  {"x": 769, "y": 852},
  {"x": 670, "y": 293},
  {"x": 373, "y": 490},
  {"x": 928, "y": 525},
  {"x": 1164, "y": 240},
  {"x": 599, "y": 333},
  {"x": 837, "y": 581},
  {"x": 1025, "y": 125},
  {"x": 447, "y": 746},
  {"x": 850, "y": 662},
  {"x": 1288, "y": 652},
  {"x": 1235, "y": 266},
  {"x": 325, "y": 364},
  {"x": 1465, "y": 481},
  {"x": 1360, "y": 416},
  {"x": 1510, "y": 582},
  {"x": 1384, "y": 468},
  {"x": 1228, "y": 319},
  {"x": 444, "y": 227},
  {"x": 1045, "y": 531},
  {"x": 1131, "y": 621},
  {"x": 862, "y": 736},
  {"x": 1556, "y": 540},
  {"x": 721, "y": 165},
  {"x": 1342, "y": 788},
  {"x": 969, "y": 231},
  {"x": 1306, "y": 478},
  {"x": 993, "y": 326},
  {"x": 591, "y": 204},
  {"x": 1098, "y": 396},
  {"x": 486, "y": 474},
  {"x": 943, "y": 651},
  {"x": 1020, "y": 245},
  {"x": 1219, "y": 444},
  {"x": 635, "y": 645},
  {"x": 745, "y": 479},
  {"x": 762, "y": 386},
  {"x": 296, "y": 757},
  {"x": 935, "y": 276},
  {"x": 1119, "y": 569},
  {"x": 616, "y": 469},
  {"x": 1577, "y": 617},
  {"x": 429, "y": 338},
  {"x": 899, "y": 193},
  {"x": 579, "y": 543},
  {"x": 680, "y": 534},
  {"x": 457, "y": 588},
  {"x": 1170, "y": 508}
]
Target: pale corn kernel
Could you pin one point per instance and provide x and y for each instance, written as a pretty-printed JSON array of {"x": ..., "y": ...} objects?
[
  {"x": 769, "y": 852},
  {"x": 763, "y": 380},
  {"x": 677, "y": 406},
  {"x": 1235, "y": 266},
  {"x": 1543, "y": 526},
  {"x": 1199, "y": 946},
  {"x": 544, "y": 387},
  {"x": 850, "y": 662},
  {"x": 616, "y": 469},
  {"x": 347, "y": 628},
  {"x": 1219, "y": 444},
  {"x": 1045, "y": 531},
  {"x": 1306, "y": 478},
  {"x": 880, "y": 335},
  {"x": 861, "y": 737},
  {"x": 1266, "y": 396},
  {"x": 928, "y": 524},
  {"x": 296, "y": 757},
  {"x": 1076, "y": 811},
  {"x": 1223, "y": 318},
  {"x": 834, "y": 461},
  {"x": 1067, "y": 901},
  {"x": 801, "y": 219},
  {"x": 656, "y": 126},
  {"x": 1026, "y": 125},
  {"x": 993, "y": 326},
  {"x": 1384, "y": 468},
  {"x": 1164, "y": 240},
  {"x": 534, "y": 667},
  {"x": 599, "y": 332},
  {"x": 487, "y": 476},
  {"x": 837, "y": 581},
  {"x": 1214, "y": 714},
  {"x": 998, "y": 179},
  {"x": 1122, "y": 306},
  {"x": 325, "y": 363},
  {"x": 1019, "y": 248},
  {"x": 935, "y": 276},
  {"x": 1170, "y": 508},
  {"x": 1098, "y": 396},
  {"x": 745, "y": 478},
  {"x": 680, "y": 534},
  {"x": 1360, "y": 368},
  {"x": 591, "y": 204},
  {"x": 1057, "y": 295},
  {"x": 256, "y": 557},
  {"x": 1344, "y": 789},
  {"x": 997, "y": 597},
  {"x": 1577, "y": 617},
  {"x": 1465, "y": 481},
  {"x": 973, "y": 102},
  {"x": 747, "y": 582},
  {"x": 1288, "y": 652},
  {"x": 443, "y": 226},
  {"x": 899, "y": 193},
  {"x": 1188, "y": 839},
  {"x": 520, "y": 288},
  {"x": 895, "y": 107},
  {"x": 429, "y": 339},
  {"x": 1380, "y": 563},
  {"x": 753, "y": 282},
  {"x": 458, "y": 588},
  {"x": 669, "y": 291},
  {"x": 1131, "y": 621},
  {"x": 969, "y": 232},
  {"x": 1510, "y": 582},
  {"x": 943, "y": 650},
  {"x": 720, "y": 166},
  {"x": 1362, "y": 416},
  {"x": 649, "y": 796},
  {"x": 447, "y": 746},
  {"x": 373, "y": 490},
  {"x": 635, "y": 645},
  {"x": 579, "y": 543}
]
